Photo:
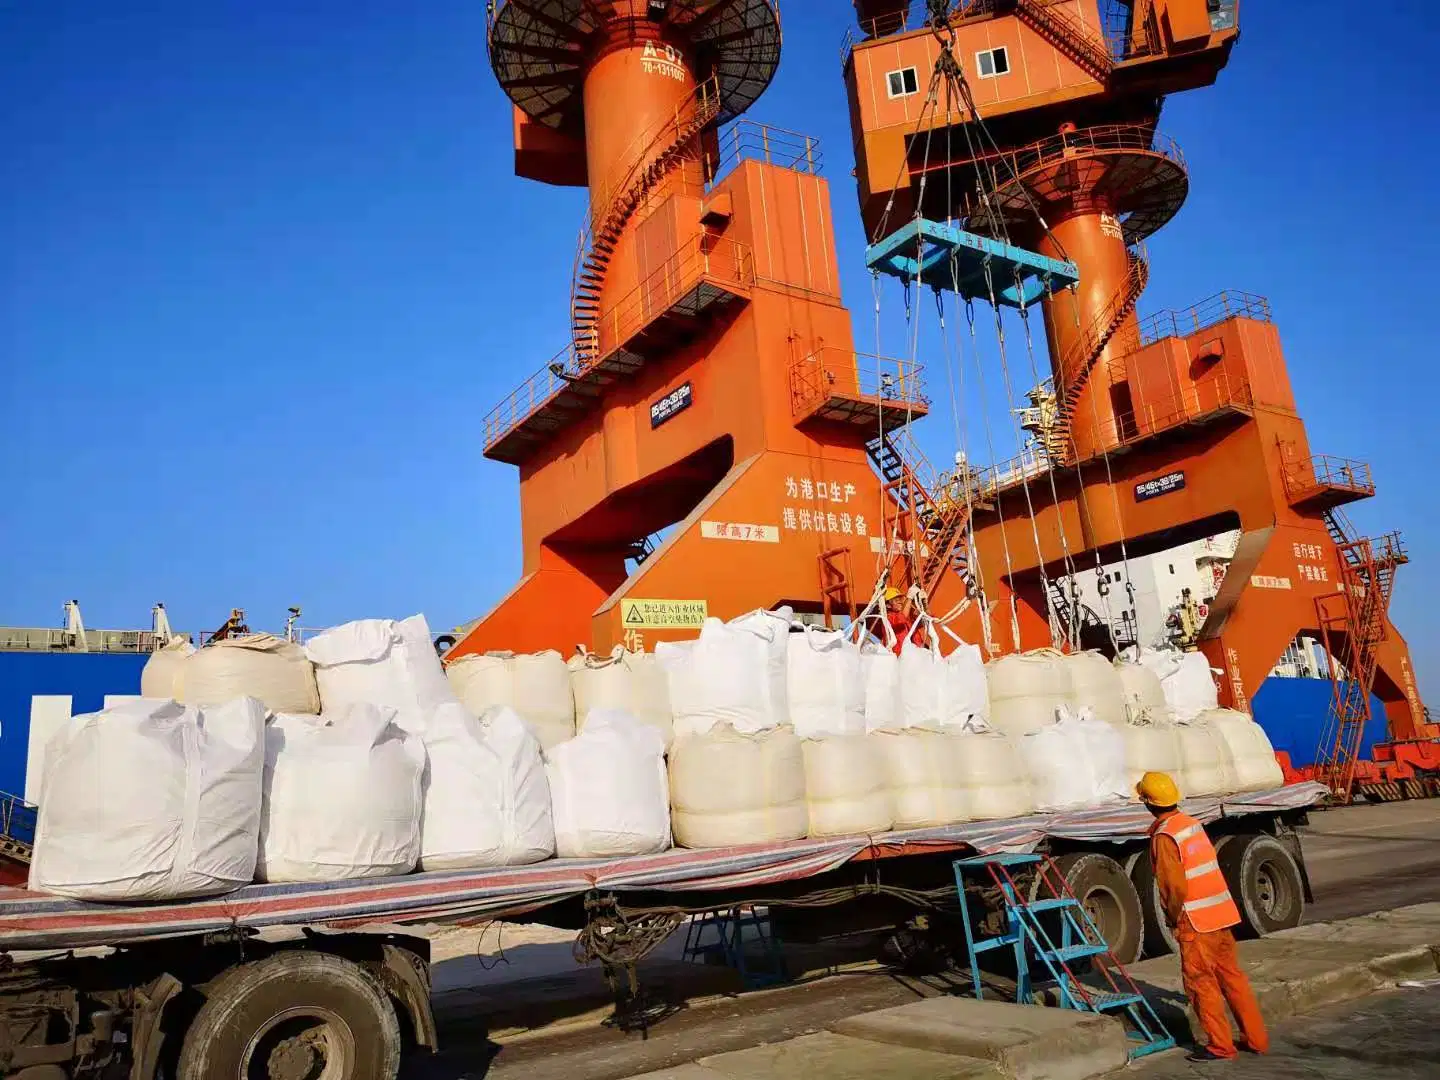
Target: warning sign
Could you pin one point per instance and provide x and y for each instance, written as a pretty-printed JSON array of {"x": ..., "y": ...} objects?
[{"x": 663, "y": 614}]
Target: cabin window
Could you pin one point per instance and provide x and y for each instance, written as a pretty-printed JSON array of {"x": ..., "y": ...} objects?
[
  {"x": 992, "y": 62},
  {"x": 902, "y": 83}
]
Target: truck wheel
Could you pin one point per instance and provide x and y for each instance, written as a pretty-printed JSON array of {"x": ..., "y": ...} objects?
[
  {"x": 1158, "y": 939},
  {"x": 1105, "y": 892},
  {"x": 1265, "y": 883},
  {"x": 293, "y": 1016}
]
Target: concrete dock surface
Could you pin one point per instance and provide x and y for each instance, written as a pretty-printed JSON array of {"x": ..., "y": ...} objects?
[{"x": 538, "y": 1016}]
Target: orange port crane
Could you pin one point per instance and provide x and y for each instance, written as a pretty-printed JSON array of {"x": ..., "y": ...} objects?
[
  {"x": 703, "y": 441},
  {"x": 1156, "y": 431}
]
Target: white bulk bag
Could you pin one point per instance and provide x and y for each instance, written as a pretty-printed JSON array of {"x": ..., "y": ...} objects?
[
  {"x": 535, "y": 685},
  {"x": 1027, "y": 689},
  {"x": 940, "y": 692},
  {"x": 485, "y": 798},
  {"x": 773, "y": 627},
  {"x": 845, "y": 787},
  {"x": 160, "y": 677},
  {"x": 880, "y": 671},
  {"x": 1144, "y": 694},
  {"x": 825, "y": 684},
  {"x": 1206, "y": 765},
  {"x": 1096, "y": 685},
  {"x": 609, "y": 789},
  {"x": 726, "y": 676},
  {"x": 729, "y": 788},
  {"x": 1254, "y": 758},
  {"x": 1076, "y": 761},
  {"x": 1151, "y": 746},
  {"x": 261, "y": 666},
  {"x": 151, "y": 800},
  {"x": 1186, "y": 680},
  {"x": 632, "y": 682},
  {"x": 941, "y": 778},
  {"x": 381, "y": 662},
  {"x": 342, "y": 797}
]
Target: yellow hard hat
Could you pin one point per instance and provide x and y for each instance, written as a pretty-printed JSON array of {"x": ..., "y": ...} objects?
[
  {"x": 892, "y": 593},
  {"x": 1157, "y": 789}
]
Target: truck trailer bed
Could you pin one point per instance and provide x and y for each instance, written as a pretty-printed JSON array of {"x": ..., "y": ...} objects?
[{"x": 30, "y": 920}]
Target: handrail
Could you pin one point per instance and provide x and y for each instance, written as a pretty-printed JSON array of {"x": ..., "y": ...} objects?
[
  {"x": 1307, "y": 475},
  {"x": 833, "y": 370},
  {"x": 17, "y": 818},
  {"x": 703, "y": 257},
  {"x": 745, "y": 139},
  {"x": 1213, "y": 395},
  {"x": 1213, "y": 310},
  {"x": 1101, "y": 138}
]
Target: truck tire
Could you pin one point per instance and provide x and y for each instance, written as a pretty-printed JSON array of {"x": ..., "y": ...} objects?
[
  {"x": 1265, "y": 882},
  {"x": 1105, "y": 892},
  {"x": 1157, "y": 939},
  {"x": 303, "y": 1015}
]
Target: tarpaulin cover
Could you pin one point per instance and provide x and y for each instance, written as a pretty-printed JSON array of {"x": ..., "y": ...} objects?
[{"x": 32, "y": 921}]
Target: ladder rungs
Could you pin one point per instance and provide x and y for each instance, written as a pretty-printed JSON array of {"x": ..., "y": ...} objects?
[
  {"x": 1052, "y": 905},
  {"x": 1075, "y": 952},
  {"x": 1104, "y": 1000}
]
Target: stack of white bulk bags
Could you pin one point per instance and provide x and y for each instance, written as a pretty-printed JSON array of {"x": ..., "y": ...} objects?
[
  {"x": 845, "y": 787},
  {"x": 609, "y": 789},
  {"x": 151, "y": 800},
  {"x": 535, "y": 685},
  {"x": 260, "y": 666},
  {"x": 342, "y": 797},
  {"x": 632, "y": 682},
  {"x": 880, "y": 670},
  {"x": 1186, "y": 680},
  {"x": 1096, "y": 685},
  {"x": 825, "y": 684},
  {"x": 941, "y": 692},
  {"x": 729, "y": 788},
  {"x": 485, "y": 799},
  {"x": 381, "y": 662},
  {"x": 1075, "y": 761},
  {"x": 944, "y": 777},
  {"x": 1151, "y": 746},
  {"x": 1206, "y": 764},
  {"x": 734, "y": 673},
  {"x": 1144, "y": 695},
  {"x": 161, "y": 675},
  {"x": 1254, "y": 758},
  {"x": 1027, "y": 690}
]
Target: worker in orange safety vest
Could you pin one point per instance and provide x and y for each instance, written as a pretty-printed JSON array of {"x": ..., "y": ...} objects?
[{"x": 1199, "y": 908}]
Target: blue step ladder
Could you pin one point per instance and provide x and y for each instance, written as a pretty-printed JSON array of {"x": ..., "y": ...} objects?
[
  {"x": 719, "y": 937},
  {"x": 1058, "y": 931}
]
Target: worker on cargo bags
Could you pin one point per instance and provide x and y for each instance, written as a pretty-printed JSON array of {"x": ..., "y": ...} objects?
[
  {"x": 1199, "y": 908},
  {"x": 899, "y": 615}
]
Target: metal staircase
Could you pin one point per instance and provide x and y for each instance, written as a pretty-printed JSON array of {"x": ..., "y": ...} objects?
[
  {"x": 1058, "y": 932},
  {"x": 1057, "y": 25},
  {"x": 658, "y": 152},
  {"x": 1353, "y": 624},
  {"x": 1082, "y": 357},
  {"x": 940, "y": 525}
]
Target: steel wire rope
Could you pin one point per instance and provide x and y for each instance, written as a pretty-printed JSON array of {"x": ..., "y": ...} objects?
[
  {"x": 1115, "y": 498},
  {"x": 1072, "y": 628},
  {"x": 1024, "y": 480}
]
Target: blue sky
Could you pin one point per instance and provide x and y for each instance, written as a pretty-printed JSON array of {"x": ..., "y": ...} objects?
[{"x": 266, "y": 267}]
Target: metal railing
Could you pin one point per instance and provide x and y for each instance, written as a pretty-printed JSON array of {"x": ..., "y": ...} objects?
[
  {"x": 1211, "y": 311},
  {"x": 17, "y": 818},
  {"x": 44, "y": 639},
  {"x": 1197, "y": 402},
  {"x": 1306, "y": 476},
  {"x": 745, "y": 139},
  {"x": 703, "y": 258},
  {"x": 1101, "y": 138},
  {"x": 835, "y": 371}
]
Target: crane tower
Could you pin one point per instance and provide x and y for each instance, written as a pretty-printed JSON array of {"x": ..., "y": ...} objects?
[{"x": 708, "y": 385}]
